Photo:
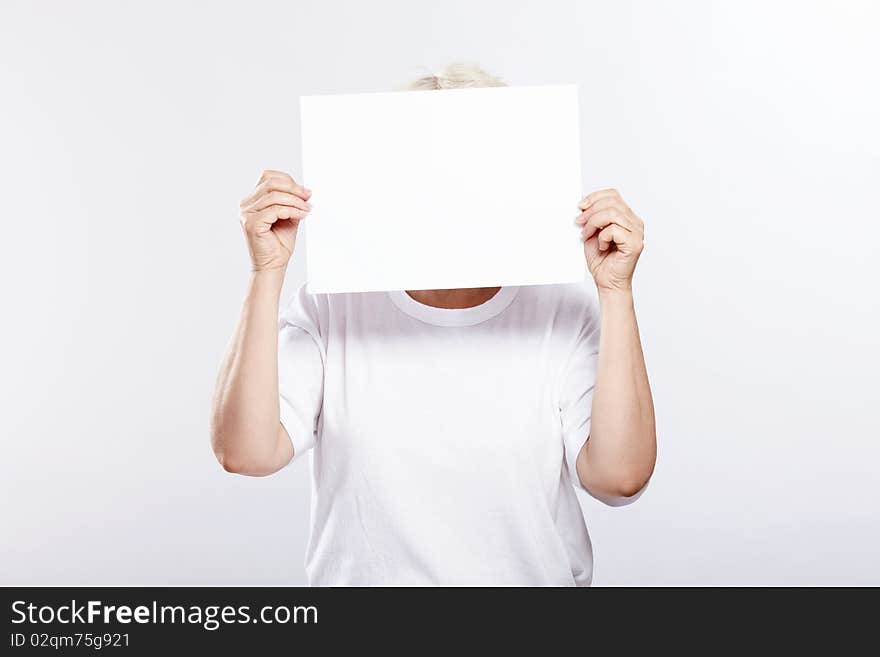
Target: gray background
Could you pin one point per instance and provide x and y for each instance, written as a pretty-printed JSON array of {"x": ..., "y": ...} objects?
[{"x": 745, "y": 134}]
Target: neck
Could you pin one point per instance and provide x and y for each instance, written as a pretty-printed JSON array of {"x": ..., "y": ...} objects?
[{"x": 466, "y": 297}]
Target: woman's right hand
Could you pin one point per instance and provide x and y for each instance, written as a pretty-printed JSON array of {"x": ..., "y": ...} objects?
[{"x": 270, "y": 218}]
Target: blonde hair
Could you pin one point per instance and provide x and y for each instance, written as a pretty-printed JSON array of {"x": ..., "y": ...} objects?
[{"x": 457, "y": 75}]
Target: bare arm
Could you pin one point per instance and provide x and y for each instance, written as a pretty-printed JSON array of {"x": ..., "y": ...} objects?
[
  {"x": 247, "y": 435},
  {"x": 246, "y": 431},
  {"x": 619, "y": 457}
]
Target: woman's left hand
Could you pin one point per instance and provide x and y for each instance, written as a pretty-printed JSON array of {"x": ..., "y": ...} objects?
[{"x": 613, "y": 239}]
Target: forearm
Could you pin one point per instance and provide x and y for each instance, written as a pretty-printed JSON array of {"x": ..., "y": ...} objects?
[
  {"x": 246, "y": 433},
  {"x": 619, "y": 457}
]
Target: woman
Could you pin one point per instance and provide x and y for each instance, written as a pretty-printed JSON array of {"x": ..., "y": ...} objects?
[{"x": 449, "y": 427}]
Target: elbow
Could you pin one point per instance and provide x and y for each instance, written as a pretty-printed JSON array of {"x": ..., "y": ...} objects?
[
  {"x": 620, "y": 487},
  {"x": 226, "y": 457},
  {"x": 628, "y": 485},
  {"x": 244, "y": 465},
  {"x": 238, "y": 461},
  {"x": 620, "y": 477},
  {"x": 229, "y": 463},
  {"x": 632, "y": 480}
]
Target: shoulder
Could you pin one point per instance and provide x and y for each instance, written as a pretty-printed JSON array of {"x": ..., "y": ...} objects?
[
  {"x": 300, "y": 307},
  {"x": 320, "y": 310},
  {"x": 575, "y": 303}
]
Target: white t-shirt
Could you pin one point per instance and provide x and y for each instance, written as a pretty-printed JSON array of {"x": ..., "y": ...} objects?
[{"x": 444, "y": 441}]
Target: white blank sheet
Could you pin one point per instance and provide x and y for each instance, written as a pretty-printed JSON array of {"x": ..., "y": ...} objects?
[{"x": 442, "y": 189}]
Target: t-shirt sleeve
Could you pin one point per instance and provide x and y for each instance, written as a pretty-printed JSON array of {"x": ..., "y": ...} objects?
[
  {"x": 576, "y": 391},
  {"x": 300, "y": 371}
]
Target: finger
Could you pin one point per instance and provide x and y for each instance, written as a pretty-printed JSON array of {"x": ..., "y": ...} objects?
[
  {"x": 626, "y": 241},
  {"x": 277, "y": 184},
  {"x": 589, "y": 199},
  {"x": 604, "y": 218},
  {"x": 263, "y": 219},
  {"x": 288, "y": 184},
  {"x": 278, "y": 198},
  {"x": 278, "y": 212},
  {"x": 612, "y": 234},
  {"x": 271, "y": 173},
  {"x": 603, "y": 204}
]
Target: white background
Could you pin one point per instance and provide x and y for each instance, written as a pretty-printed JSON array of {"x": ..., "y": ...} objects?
[{"x": 744, "y": 133}]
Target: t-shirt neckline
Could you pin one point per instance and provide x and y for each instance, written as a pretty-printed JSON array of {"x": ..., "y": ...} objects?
[{"x": 454, "y": 316}]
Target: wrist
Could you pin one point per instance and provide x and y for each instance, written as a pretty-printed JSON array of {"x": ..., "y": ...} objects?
[
  {"x": 615, "y": 296},
  {"x": 268, "y": 278}
]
